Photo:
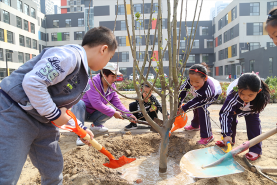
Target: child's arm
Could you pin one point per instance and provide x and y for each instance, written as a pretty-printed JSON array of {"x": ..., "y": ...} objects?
[
  {"x": 54, "y": 66},
  {"x": 183, "y": 91},
  {"x": 157, "y": 103},
  {"x": 227, "y": 113}
]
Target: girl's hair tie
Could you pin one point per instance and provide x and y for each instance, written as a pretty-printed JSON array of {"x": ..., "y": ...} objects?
[{"x": 197, "y": 71}]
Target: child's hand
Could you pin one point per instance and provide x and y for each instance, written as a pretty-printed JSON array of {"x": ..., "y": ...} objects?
[
  {"x": 117, "y": 115},
  {"x": 134, "y": 120},
  {"x": 91, "y": 137},
  {"x": 226, "y": 139},
  {"x": 64, "y": 117},
  {"x": 153, "y": 108}
]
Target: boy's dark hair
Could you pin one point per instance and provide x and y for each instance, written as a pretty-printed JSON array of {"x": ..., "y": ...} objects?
[
  {"x": 106, "y": 72},
  {"x": 100, "y": 35},
  {"x": 144, "y": 84},
  {"x": 201, "y": 69},
  {"x": 272, "y": 18},
  {"x": 253, "y": 82}
]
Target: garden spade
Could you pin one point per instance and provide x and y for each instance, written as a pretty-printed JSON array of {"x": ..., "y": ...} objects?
[
  {"x": 83, "y": 134},
  {"x": 213, "y": 162}
]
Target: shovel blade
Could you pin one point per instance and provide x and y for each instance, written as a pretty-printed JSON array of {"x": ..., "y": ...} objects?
[
  {"x": 118, "y": 163},
  {"x": 193, "y": 161}
]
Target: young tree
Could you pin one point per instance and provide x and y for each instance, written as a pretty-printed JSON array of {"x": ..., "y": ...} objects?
[{"x": 169, "y": 89}]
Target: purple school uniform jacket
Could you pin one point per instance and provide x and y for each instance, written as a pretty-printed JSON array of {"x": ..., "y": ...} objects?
[
  {"x": 206, "y": 94},
  {"x": 94, "y": 101}
]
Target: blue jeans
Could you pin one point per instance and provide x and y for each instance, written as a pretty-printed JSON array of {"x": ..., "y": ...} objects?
[{"x": 97, "y": 117}]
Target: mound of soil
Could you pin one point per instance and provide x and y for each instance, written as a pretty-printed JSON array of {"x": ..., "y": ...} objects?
[{"x": 84, "y": 165}]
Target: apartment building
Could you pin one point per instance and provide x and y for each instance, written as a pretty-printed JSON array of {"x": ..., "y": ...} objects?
[
  {"x": 239, "y": 28},
  {"x": 19, "y": 33}
]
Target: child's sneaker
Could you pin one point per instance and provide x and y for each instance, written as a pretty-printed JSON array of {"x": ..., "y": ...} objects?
[
  {"x": 99, "y": 128},
  {"x": 79, "y": 142},
  {"x": 131, "y": 126},
  {"x": 205, "y": 141},
  {"x": 190, "y": 128},
  {"x": 220, "y": 143}
]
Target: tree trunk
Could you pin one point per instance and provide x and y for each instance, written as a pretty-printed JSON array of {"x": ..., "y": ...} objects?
[{"x": 164, "y": 151}]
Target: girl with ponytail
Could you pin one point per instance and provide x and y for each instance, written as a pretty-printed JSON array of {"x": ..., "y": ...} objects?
[{"x": 246, "y": 96}]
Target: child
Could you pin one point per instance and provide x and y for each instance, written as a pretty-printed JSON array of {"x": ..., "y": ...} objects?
[
  {"x": 151, "y": 104},
  {"x": 93, "y": 107},
  {"x": 40, "y": 91},
  {"x": 205, "y": 90},
  {"x": 246, "y": 96},
  {"x": 271, "y": 25}
]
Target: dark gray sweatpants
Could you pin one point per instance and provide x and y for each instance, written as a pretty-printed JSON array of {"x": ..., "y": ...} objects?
[{"x": 20, "y": 135}]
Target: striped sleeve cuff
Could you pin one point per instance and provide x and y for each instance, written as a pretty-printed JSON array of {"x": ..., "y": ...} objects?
[{"x": 54, "y": 115}]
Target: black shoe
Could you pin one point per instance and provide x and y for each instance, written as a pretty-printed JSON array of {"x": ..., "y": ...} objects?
[{"x": 131, "y": 126}]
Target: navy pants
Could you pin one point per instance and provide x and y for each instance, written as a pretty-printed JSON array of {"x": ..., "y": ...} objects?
[
  {"x": 134, "y": 107},
  {"x": 253, "y": 127},
  {"x": 202, "y": 118}
]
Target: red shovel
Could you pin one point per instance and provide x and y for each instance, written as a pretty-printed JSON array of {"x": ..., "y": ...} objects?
[
  {"x": 83, "y": 134},
  {"x": 180, "y": 122}
]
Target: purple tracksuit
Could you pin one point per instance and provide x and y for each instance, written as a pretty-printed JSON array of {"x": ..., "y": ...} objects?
[
  {"x": 207, "y": 94},
  {"x": 233, "y": 107}
]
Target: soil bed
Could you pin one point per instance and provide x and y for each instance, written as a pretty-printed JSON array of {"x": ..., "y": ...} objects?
[{"x": 83, "y": 165}]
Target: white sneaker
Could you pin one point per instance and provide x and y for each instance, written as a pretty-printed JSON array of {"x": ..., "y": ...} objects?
[
  {"x": 99, "y": 128},
  {"x": 79, "y": 142}
]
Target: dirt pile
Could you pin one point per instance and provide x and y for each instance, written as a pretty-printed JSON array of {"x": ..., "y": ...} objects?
[{"x": 83, "y": 165}]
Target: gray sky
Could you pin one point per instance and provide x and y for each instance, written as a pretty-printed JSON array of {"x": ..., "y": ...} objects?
[{"x": 205, "y": 12}]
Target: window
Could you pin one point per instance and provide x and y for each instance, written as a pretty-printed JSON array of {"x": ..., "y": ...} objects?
[
  {"x": 34, "y": 44},
  {"x": 231, "y": 33},
  {"x": 18, "y": 22},
  {"x": 220, "y": 54},
  {"x": 220, "y": 24},
  {"x": 234, "y": 50},
  {"x": 26, "y": 26},
  {"x": 120, "y": 10},
  {"x": 78, "y": 8},
  {"x": 125, "y": 56},
  {"x": 254, "y": 45},
  {"x": 80, "y": 22},
  {"x": 191, "y": 59},
  {"x": 72, "y": 9},
  {"x": 182, "y": 44},
  {"x": 226, "y": 20},
  {"x": 66, "y": 36},
  {"x": 225, "y": 36},
  {"x": 220, "y": 70},
  {"x": 205, "y": 58},
  {"x": 78, "y": 2},
  {"x": 195, "y": 44},
  {"x": 155, "y": 7},
  {"x": 33, "y": 55},
  {"x": 226, "y": 70},
  {"x": 272, "y": 5},
  {"x": 138, "y": 40},
  {"x": 219, "y": 40},
  {"x": 254, "y": 8},
  {"x": 55, "y": 23},
  {"x": 234, "y": 13},
  {"x": 28, "y": 42},
  {"x": 123, "y": 25},
  {"x": 26, "y": 9},
  {"x": 226, "y": 53},
  {"x": 140, "y": 55},
  {"x": 6, "y": 16},
  {"x": 257, "y": 28},
  {"x": 79, "y": 35},
  {"x": 33, "y": 13},
  {"x": 210, "y": 43},
  {"x": 1, "y": 34},
  {"x": 19, "y": 6},
  {"x": 10, "y": 37},
  {"x": 271, "y": 44},
  {"x": 20, "y": 57},
  {"x": 54, "y": 37},
  {"x": 32, "y": 28},
  {"x": 9, "y": 55},
  {"x": 270, "y": 66},
  {"x": 122, "y": 41},
  {"x": 1, "y": 54},
  {"x": 189, "y": 31},
  {"x": 137, "y": 8},
  {"x": 67, "y": 22},
  {"x": 27, "y": 57},
  {"x": 251, "y": 65},
  {"x": 21, "y": 40},
  {"x": 139, "y": 24},
  {"x": 205, "y": 31},
  {"x": 7, "y": 2}
]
